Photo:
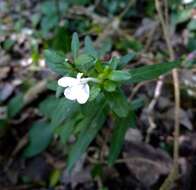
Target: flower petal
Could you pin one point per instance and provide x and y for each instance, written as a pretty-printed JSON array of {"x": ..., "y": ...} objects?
[
  {"x": 67, "y": 81},
  {"x": 83, "y": 93},
  {"x": 69, "y": 93}
]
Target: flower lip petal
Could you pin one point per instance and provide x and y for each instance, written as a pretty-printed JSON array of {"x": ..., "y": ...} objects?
[
  {"x": 83, "y": 93},
  {"x": 69, "y": 93},
  {"x": 67, "y": 81}
]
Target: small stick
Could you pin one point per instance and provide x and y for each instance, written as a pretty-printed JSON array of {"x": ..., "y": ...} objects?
[{"x": 174, "y": 172}]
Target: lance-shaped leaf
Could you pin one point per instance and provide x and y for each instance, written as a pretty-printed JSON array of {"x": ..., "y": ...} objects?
[
  {"x": 122, "y": 124},
  {"x": 118, "y": 75},
  {"x": 56, "y": 61},
  {"x": 90, "y": 128},
  {"x": 75, "y": 45},
  {"x": 88, "y": 47},
  {"x": 40, "y": 136},
  {"x": 151, "y": 72},
  {"x": 118, "y": 103}
]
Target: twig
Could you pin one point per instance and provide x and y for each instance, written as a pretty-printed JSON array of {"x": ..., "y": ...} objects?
[
  {"x": 123, "y": 13},
  {"x": 174, "y": 172},
  {"x": 20, "y": 145},
  {"x": 150, "y": 37},
  {"x": 35, "y": 91},
  {"x": 151, "y": 106},
  {"x": 136, "y": 89},
  {"x": 127, "y": 160},
  {"x": 157, "y": 92}
]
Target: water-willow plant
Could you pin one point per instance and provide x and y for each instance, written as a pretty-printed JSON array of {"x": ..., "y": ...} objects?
[{"x": 93, "y": 90}]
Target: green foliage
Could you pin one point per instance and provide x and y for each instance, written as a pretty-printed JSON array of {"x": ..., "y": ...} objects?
[
  {"x": 15, "y": 105},
  {"x": 84, "y": 62},
  {"x": 122, "y": 124},
  {"x": 47, "y": 105},
  {"x": 52, "y": 28},
  {"x": 66, "y": 130},
  {"x": 61, "y": 109},
  {"x": 50, "y": 15},
  {"x": 109, "y": 86},
  {"x": 40, "y": 136},
  {"x": 56, "y": 61},
  {"x": 58, "y": 112},
  {"x": 75, "y": 45},
  {"x": 88, "y": 47},
  {"x": 64, "y": 109},
  {"x": 151, "y": 72},
  {"x": 124, "y": 60},
  {"x": 106, "y": 96},
  {"x": 119, "y": 76},
  {"x": 90, "y": 128},
  {"x": 61, "y": 40},
  {"x": 95, "y": 91},
  {"x": 118, "y": 103}
]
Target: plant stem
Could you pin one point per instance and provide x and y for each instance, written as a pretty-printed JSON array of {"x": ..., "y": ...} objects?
[
  {"x": 123, "y": 13},
  {"x": 165, "y": 27}
]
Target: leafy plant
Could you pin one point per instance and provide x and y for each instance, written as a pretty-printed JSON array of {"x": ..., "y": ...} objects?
[{"x": 105, "y": 98}]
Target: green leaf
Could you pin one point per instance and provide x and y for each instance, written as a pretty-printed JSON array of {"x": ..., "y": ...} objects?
[
  {"x": 86, "y": 136},
  {"x": 61, "y": 40},
  {"x": 52, "y": 85},
  {"x": 118, "y": 135},
  {"x": 88, "y": 47},
  {"x": 124, "y": 60},
  {"x": 114, "y": 62},
  {"x": 119, "y": 76},
  {"x": 118, "y": 103},
  {"x": 48, "y": 8},
  {"x": 181, "y": 16},
  {"x": 57, "y": 110},
  {"x": 64, "y": 109},
  {"x": 84, "y": 62},
  {"x": 56, "y": 61},
  {"x": 47, "y": 105},
  {"x": 94, "y": 92},
  {"x": 48, "y": 23},
  {"x": 15, "y": 105},
  {"x": 109, "y": 86},
  {"x": 59, "y": 91},
  {"x": 191, "y": 46},
  {"x": 75, "y": 45},
  {"x": 151, "y": 72},
  {"x": 106, "y": 47},
  {"x": 137, "y": 103},
  {"x": 192, "y": 25},
  {"x": 66, "y": 129},
  {"x": 91, "y": 107},
  {"x": 99, "y": 66},
  {"x": 40, "y": 136}
]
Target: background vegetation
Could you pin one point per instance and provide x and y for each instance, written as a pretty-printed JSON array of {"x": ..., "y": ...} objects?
[{"x": 137, "y": 130}]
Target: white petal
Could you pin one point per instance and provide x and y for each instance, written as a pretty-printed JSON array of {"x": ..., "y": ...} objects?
[
  {"x": 69, "y": 93},
  {"x": 67, "y": 81},
  {"x": 83, "y": 93},
  {"x": 187, "y": 1}
]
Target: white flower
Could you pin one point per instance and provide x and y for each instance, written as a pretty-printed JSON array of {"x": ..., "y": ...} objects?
[
  {"x": 187, "y": 1},
  {"x": 76, "y": 88}
]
